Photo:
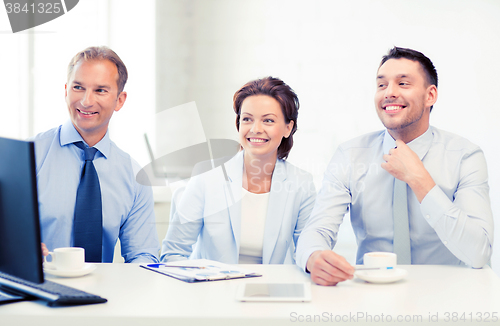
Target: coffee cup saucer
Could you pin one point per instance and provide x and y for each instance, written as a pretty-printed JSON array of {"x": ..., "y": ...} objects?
[
  {"x": 51, "y": 270},
  {"x": 388, "y": 276}
]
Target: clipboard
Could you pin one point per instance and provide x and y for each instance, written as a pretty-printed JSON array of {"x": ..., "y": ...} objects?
[{"x": 200, "y": 270}]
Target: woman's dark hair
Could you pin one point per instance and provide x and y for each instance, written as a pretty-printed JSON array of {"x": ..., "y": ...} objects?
[{"x": 281, "y": 92}]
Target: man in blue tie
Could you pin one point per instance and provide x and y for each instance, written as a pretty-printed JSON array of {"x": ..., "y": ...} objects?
[
  {"x": 87, "y": 190},
  {"x": 411, "y": 189}
]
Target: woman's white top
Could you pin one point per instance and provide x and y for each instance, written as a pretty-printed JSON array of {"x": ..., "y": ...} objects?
[{"x": 253, "y": 222}]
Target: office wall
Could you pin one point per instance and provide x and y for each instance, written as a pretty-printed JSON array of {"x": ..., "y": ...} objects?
[{"x": 329, "y": 51}]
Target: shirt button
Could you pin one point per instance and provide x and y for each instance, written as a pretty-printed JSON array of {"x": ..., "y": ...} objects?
[
  {"x": 427, "y": 216},
  {"x": 445, "y": 242}
]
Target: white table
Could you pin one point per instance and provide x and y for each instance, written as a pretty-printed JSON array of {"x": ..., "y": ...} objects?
[{"x": 141, "y": 297}]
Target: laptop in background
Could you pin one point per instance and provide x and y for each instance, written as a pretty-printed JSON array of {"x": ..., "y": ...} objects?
[
  {"x": 185, "y": 163},
  {"x": 21, "y": 269}
]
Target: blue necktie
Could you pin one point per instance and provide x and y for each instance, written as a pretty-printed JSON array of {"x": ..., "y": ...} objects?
[
  {"x": 87, "y": 225},
  {"x": 401, "y": 225}
]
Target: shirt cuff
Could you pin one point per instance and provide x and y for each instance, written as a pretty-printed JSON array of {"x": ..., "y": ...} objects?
[
  {"x": 305, "y": 257},
  {"x": 144, "y": 259},
  {"x": 171, "y": 258},
  {"x": 435, "y": 205}
]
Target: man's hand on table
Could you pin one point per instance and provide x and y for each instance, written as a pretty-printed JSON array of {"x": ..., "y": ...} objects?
[{"x": 328, "y": 268}]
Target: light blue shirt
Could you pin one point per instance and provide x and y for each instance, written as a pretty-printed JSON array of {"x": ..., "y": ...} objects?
[
  {"x": 453, "y": 224},
  {"x": 127, "y": 207}
]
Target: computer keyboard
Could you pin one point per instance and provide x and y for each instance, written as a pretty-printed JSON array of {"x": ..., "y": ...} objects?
[
  {"x": 54, "y": 293},
  {"x": 7, "y": 297}
]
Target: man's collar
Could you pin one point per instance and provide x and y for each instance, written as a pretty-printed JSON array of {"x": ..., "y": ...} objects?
[
  {"x": 419, "y": 145},
  {"x": 69, "y": 135}
]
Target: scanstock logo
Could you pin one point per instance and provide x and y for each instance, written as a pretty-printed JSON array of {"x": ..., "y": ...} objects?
[{"x": 25, "y": 14}]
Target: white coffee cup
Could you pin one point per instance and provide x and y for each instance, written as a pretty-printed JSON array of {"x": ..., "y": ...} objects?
[
  {"x": 380, "y": 259},
  {"x": 69, "y": 258}
]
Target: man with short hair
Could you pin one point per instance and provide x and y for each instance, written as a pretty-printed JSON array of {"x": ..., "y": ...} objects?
[
  {"x": 445, "y": 181},
  {"x": 109, "y": 204}
]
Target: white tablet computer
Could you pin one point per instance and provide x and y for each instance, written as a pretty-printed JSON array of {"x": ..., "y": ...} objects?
[{"x": 274, "y": 292}]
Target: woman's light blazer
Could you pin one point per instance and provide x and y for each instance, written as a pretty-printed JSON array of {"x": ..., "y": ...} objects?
[{"x": 206, "y": 220}]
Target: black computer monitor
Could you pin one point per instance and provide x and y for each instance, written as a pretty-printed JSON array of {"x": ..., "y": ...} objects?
[
  {"x": 21, "y": 271},
  {"x": 20, "y": 249}
]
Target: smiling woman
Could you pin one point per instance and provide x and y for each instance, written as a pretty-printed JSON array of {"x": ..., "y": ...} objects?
[
  {"x": 253, "y": 211},
  {"x": 266, "y": 113},
  {"x": 262, "y": 127}
]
